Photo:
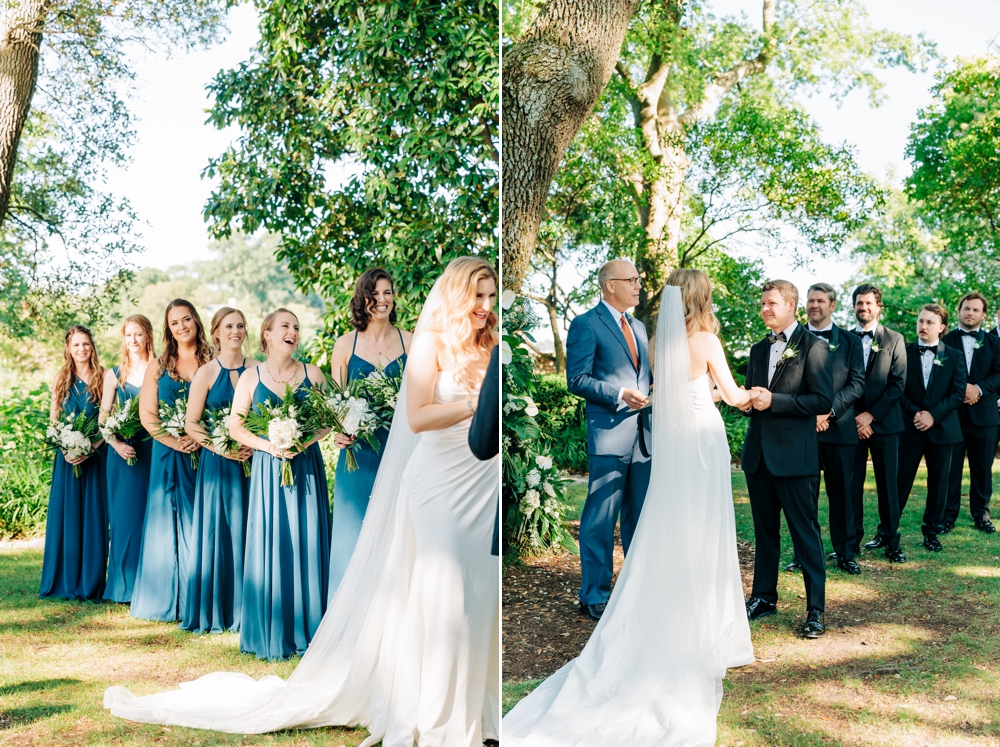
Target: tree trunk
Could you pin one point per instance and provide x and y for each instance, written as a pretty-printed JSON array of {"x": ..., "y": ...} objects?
[
  {"x": 20, "y": 43},
  {"x": 552, "y": 78},
  {"x": 557, "y": 342}
]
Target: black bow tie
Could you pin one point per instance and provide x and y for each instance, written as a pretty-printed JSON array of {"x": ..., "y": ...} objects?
[
  {"x": 826, "y": 334},
  {"x": 927, "y": 349},
  {"x": 773, "y": 338},
  {"x": 862, "y": 333},
  {"x": 966, "y": 333}
]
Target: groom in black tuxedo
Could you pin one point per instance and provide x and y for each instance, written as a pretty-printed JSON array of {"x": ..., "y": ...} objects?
[
  {"x": 978, "y": 413},
  {"x": 789, "y": 379}
]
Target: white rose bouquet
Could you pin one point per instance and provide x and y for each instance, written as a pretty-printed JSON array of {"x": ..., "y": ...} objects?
[
  {"x": 382, "y": 393},
  {"x": 215, "y": 421},
  {"x": 288, "y": 425},
  {"x": 173, "y": 422},
  {"x": 73, "y": 435},
  {"x": 347, "y": 411},
  {"x": 123, "y": 424}
]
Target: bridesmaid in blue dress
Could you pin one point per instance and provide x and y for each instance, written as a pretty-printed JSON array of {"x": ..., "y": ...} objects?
[
  {"x": 214, "y": 587},
  {"x": 127, "y": 485},
  {"x": 287, "y": 563},
  {"x": 76, "y": 530},
  {"x": 166, "y": 533},
  {"x": 375, "y": 343}
]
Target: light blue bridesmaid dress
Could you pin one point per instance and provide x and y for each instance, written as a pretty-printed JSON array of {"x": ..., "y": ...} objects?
[
  {"x": 287, "y": 562},
  {"x": 352, "y": 490},
  {"x": 76, "y": 530},
  {"x": 214, "y": 588},
  {"x": 166, "y": 533},
  {"x": 128, "y": 488}
]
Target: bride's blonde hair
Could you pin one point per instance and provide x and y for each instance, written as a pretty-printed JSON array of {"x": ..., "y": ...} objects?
[
  {"x": 450, "y": 320},
  {"x": 696, "y": 294}
]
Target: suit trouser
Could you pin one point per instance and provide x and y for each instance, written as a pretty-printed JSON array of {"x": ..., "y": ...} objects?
[
  {"x": 617, "y": 485},
  {"x": 837, "y": 461},
  {"x": 979, "y": 442},
  {"x": 885, "y": 464},
  {"x": 938, "y": 458},
  {"x": 769, "y": 496}
]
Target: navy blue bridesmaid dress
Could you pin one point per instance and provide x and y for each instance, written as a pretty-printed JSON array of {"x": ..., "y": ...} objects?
[
  {"x": 76, "y": 530},
  {"x": 287, "y": 564},
  {"x": 214, "y": 589},
  {"x": 128, "y": 488},
  {"x": 166, "y": 532},
  {"x": 352, "y": 490}
]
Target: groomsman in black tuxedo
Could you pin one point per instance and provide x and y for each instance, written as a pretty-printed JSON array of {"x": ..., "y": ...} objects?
[
  {"x": 879, "y": 422},
  {"x": 935, "y": 387},
  {"x": 789, "y": 379},
  {"x": 838, "y": 433},
  {"x": 978, "y": 413}
]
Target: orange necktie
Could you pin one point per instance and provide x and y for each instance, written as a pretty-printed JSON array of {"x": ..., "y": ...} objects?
[{"x": 627, "y": 331}]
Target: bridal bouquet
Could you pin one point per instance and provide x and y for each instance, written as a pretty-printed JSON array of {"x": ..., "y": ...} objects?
[
  {"x": 215, "y": 421},
  {"x": 73, "y": 436},
  {"x": 173, "y": 423},
  {"x": 347, "y": 411},
  {"x": 288, "y": 425},
  {"x": 382, "y": 393},
  {"x": 123, "y": 424}
]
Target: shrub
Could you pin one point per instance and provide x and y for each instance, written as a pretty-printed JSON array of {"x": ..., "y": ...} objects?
[
  {"x": 25, "y": 463},
  {"x": 563, "y": 423}
]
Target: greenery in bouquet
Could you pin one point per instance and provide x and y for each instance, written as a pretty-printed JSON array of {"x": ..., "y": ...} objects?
[
  {"x": 348, "y": 411},
  {"x": 123, "y": 424},
  {"x": 382, "y": 393},
  {"x": 289, "y": 425},
  {"x": 173, "y": 422},
  {"x": 215, "y": 421},
  {"x": 532, "y": 486},
  {"x": 73, "y": 435}
]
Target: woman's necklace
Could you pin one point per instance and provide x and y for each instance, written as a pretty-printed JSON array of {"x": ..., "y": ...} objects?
[
  {"x": 382, "y": 344},
  {"x": 270, "y": 375}
]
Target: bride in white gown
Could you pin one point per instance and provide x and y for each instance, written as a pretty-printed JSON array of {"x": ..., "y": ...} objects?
[
  {"x": 651, "y": 673},
  {"x": 409, "y": 647}
]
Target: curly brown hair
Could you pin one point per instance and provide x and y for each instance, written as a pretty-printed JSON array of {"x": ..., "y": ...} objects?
[
  {"x": 168, "y": 359},
  {"x": 364, "y": 298},
  {"x": 64, "y": 379}
]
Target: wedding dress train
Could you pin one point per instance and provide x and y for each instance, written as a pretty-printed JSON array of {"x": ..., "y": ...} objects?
[{"x": 651, "y": 673}]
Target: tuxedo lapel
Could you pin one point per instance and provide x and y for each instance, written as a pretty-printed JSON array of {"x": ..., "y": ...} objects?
[
  {"x": 783, "y": 362},
  {"x": 876, "y": 346},
  {"x": 939, "y": 353},
  {"x": 980, "y": 335},
  {"x": 616, "y": 330}
]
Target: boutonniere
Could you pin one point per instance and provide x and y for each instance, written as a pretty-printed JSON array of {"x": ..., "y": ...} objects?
[
  {"x": 789, "y": 352},
  {"x": 833, "y": 347},
  {"x": 977, "y": 344},
  {"x": 938, "y": 361},
  {"x": 875, "y": 347}
]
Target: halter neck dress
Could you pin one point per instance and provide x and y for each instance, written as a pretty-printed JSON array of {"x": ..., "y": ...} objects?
[
  {"x": 166, "y": 533},
  {"x": 287, "y": 562},
  {"x": 214, "y": 588},
  {"x": 352, "y": 490},
  {"x": 76, "y": 529}
]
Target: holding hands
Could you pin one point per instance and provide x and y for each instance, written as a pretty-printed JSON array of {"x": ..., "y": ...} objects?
[
  {"x": 923, "y": 421},
  {"x": 864, "y": 423},
  {"x": 760, "y": 399}
]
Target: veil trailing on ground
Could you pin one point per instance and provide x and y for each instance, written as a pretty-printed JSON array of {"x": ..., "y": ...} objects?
[
  {"x": 345, "y": 677},
  {"x": 651, "y": 673}
]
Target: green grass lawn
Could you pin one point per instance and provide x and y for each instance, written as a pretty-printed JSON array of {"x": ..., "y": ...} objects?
[
  {"x": 910, "y": 656},
  {"x": 57, "y": 658}
]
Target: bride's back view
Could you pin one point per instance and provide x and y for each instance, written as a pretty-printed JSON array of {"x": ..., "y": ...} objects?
[{"x": 651, "y": 673}]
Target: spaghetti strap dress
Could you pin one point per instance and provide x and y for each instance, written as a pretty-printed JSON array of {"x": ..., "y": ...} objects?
[
  {"x": 287, "y": 563},
  {"x": 351, "y": 490},
  {"x": 128, "y": 488},
  {"x": 214, "y": 589}
]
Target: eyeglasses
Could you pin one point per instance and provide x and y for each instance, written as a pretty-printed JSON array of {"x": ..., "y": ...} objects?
[{"x": 634, "y": 281}]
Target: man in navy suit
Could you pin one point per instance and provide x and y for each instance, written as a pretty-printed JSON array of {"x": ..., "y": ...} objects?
[{"x": 607, "y": 364}]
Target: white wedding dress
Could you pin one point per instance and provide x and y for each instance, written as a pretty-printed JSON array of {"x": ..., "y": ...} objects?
[
  {"x": 651, "y": 673},
  {"x": 409, "y": 647}
]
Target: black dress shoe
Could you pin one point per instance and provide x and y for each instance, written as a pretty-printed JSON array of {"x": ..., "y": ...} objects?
[
  {"x": 931, "y": 543},
  {"x": 832, "y": 556},
  {"x": 894, "y": 555},
  {"x": 985, "y": 525},
  {"x": 948, "y": 526},
  {"x": 849, "y": 566},
  {"x": 795, "y": 565},
  {"x": 757, "y": 608},
  {"x": 593, "y": 611},
  {"x": 876, "y": 543},
  {"x": 814, "y": 626}
]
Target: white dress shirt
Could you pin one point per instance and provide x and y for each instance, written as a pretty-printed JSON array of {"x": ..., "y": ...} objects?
[
  {"x": 618, "y": 316},
  {"x": 777, "y": 350},
  {"x": 866, "y": 342},
  {"x": 927, "y": 361}
]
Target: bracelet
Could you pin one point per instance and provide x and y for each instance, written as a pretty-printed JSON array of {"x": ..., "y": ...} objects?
[{"x": 469, "y": 402}]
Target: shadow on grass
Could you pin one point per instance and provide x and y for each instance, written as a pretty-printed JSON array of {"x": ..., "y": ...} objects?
[
  {"x": 21, "y": 716},
  {"x": 34, "y": 686}
]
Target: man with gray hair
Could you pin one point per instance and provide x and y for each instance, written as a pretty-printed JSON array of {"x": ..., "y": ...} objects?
[{"x": 607, "y": 364}]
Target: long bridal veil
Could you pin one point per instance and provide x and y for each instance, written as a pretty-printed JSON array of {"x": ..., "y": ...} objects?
[
  {"x": 345, "y": 677},
  {"x": 651, "y": 673}
]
